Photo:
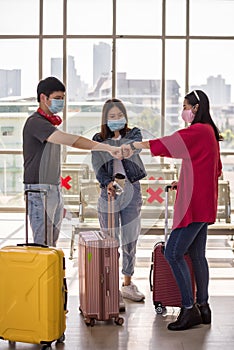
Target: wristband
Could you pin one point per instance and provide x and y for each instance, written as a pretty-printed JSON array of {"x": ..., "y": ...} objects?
[{"x": 132, "y": 146}]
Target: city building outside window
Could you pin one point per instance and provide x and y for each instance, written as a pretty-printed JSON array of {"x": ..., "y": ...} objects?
[{"x": 144, "y": 55}]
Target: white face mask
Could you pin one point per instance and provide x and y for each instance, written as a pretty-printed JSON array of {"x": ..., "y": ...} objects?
[
  {"x": 56, "y": 105},
  {"x": 187, "y": 115},
  {"x": 117, "y": 124}
]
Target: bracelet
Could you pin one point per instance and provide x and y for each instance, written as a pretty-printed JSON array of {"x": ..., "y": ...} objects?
[{"x": 132, "y": 146}]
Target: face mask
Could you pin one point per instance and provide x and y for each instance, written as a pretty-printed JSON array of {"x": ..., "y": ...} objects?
[
  {"x": 187, "y": 115},
  {"x": 56, "y": 105},
  {"x": 118, "y": 124}
]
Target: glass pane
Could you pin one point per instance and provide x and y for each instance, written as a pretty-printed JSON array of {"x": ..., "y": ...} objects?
[
  {"x": 134, "y": 17},
  {"x": 84, "y": 118},
  {"x": 89, "y": 79},
  {"x": 139, "y": 82},
  {"x": 18, "y": 67},
  {"x": 19, "y": 17},
  {"x": 228, "y": 173},
  {"x": 175, "y": 24},
  {"x": 52, "y": 58},
  {"x": 18, "y": 81},
  {"x": 12, "y": 118},
  {"x": 215, "y": 75},
  {"x": 89, "y": 65},
  {"x": 175, "y": 83},
  {"x": 53, "y": 8},
  {"x": 215, "y": 17},
  {"x": 89, "y": 17},
  {"x": 11, "y": 181},
  {"x": 53, "y": 62}
]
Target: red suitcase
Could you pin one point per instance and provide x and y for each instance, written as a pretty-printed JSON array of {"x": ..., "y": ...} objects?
[
  {"x": 164, "y": 286},
  {"x": 98, "y": 263}
]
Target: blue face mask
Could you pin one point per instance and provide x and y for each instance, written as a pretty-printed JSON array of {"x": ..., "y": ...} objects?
[
  {"x": 117, "y": 124},
  {"x": 56, "y": 105}
]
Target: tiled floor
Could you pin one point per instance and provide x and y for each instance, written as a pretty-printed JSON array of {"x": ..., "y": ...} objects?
[{"x": 142, "y": 328}]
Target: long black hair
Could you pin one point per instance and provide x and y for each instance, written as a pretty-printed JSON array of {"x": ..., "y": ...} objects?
[
  {"x": 105, "y": 130},
  {"x": 203, "y": 113}
]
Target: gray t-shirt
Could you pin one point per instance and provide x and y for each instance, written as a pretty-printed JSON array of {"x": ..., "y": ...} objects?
[{"x": 42, "y": 161}]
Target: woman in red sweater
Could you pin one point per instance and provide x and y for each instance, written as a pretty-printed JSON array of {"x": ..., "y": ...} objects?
[{"x": 196, "y": 202}]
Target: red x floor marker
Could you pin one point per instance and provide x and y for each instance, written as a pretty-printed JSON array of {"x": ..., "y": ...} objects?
[
  {"x": 155, "y": 195},
  {"x": 65, "y": 182}
]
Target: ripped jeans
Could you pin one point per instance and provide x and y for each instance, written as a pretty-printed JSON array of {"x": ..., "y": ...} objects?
[
  {"x": 54, "y": 213},
  {"x": 127, "y": 222}
]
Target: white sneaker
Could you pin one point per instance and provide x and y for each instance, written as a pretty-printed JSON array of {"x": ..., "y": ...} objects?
[{"x": 131, "y": 292}]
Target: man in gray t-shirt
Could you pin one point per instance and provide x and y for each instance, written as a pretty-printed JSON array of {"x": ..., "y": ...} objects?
[
  {"x": 38, "y": 153},
  {"x": 41, "y": 152}
]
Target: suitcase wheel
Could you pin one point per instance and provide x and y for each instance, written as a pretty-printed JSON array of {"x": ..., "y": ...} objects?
[
  {"x": 92, "y": 322},
  {"x": 11, "y": 344},
  {"x": 159, "y": 309},
  {"x": 46, "y": 347},
  {"x": 119, "y": 321},
  {"x": 61, "y": 339},
  {"x": 89, "y": 321}
]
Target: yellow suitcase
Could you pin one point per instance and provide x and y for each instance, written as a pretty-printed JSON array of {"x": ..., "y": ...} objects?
[{"x": 33, "y": 294}]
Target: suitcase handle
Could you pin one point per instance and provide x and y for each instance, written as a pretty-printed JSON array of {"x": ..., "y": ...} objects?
[
  {"x": 65, "y": 293},
  {"x": 32, "y": 245},
  {"x": 166, "y": 212},
  {"x": 150, "y": 277},
  {"x": 111, "y": 216},
  {"x": 107, "y": 278},
  {"x": 26, "y": 192},
  {"x": 168, "y": 187}
]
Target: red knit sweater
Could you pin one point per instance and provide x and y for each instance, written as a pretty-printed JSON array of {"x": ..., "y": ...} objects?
[{"x": 197, "y": 191}]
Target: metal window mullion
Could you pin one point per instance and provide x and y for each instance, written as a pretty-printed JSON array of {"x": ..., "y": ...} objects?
[
  {"x": 40, "y": 53},
  {"x": 65, "y": 41},
  {"x": 65, "y": 58},
  {"x": 163, "y": 85},
  {"x": 113, "y": 71},
  {"x": 110, "y": 36},
  {"x": 187, "y": 48},
  {"x": 65, "y": 79}
]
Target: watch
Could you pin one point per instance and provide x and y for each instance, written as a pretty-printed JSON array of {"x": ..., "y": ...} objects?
[{"x": 132, "y": 146}]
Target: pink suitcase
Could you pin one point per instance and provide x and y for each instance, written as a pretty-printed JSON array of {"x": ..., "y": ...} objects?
[
  {"x": 164, "y": 286},
  {"x": 98, "y": 263}
]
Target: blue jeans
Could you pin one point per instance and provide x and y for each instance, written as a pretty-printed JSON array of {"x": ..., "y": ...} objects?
[
  {"x": 127, "y": 223},
  {"x": 54, "y": 213},
  {"x": 192, "y": 240}
]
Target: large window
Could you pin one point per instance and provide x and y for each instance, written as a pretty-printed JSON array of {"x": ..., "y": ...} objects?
[{"x": 148, "y": 53}]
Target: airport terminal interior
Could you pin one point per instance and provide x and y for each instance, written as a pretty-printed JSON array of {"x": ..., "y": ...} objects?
[
  {"x": 143, "y": 328},
  {"x": 149, "y": 54}
]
